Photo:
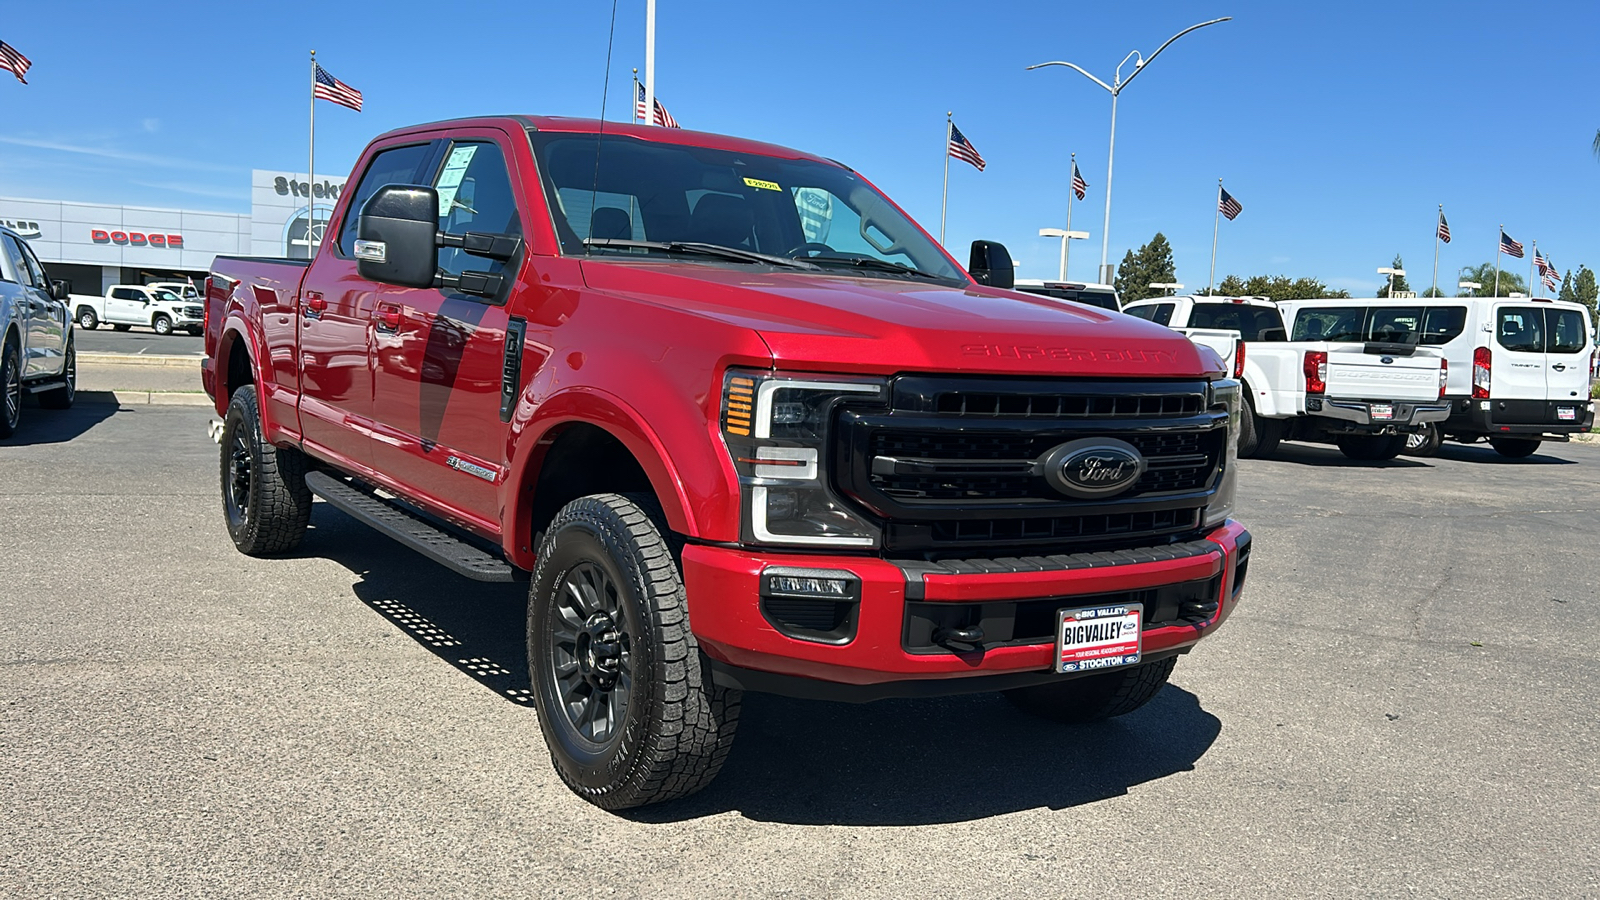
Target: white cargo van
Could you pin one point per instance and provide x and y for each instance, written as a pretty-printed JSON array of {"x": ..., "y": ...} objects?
[{"x": 1519, "y": 368}]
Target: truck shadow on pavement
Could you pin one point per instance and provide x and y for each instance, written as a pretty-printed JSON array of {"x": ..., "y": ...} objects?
[
  {"x": 58, "y": 426},
  {"x": 895, "y": 762},
  {"x": 1324, "y": 456},
  {"x": 1483, "y": 453}
]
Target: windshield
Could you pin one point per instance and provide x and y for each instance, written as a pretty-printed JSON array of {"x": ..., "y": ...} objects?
[{"x": 667, "y": 194}]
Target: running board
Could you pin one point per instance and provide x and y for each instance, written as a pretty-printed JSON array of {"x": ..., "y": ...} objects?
[{"x": 451, "y": 552}]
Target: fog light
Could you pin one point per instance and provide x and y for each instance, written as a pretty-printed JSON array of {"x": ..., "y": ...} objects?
[{"x": 822, "y": 584}]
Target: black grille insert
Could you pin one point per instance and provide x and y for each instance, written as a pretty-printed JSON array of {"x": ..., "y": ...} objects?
[{"x": 1066, "y": 406}]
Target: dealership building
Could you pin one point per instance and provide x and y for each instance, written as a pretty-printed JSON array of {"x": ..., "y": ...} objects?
[{"x": 95, "y": 246}]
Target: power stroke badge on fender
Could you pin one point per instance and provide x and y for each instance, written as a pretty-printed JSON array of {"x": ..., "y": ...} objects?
[{"x": 1093, "y": 468}]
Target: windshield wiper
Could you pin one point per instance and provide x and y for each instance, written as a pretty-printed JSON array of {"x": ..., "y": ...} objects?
[
  {"x": 879, "y": 265},
  {"x": 694, "y": 247}
]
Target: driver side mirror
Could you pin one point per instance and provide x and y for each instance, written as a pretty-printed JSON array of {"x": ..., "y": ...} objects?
[
  {"x": 991, "y": 265},
  {"x": 60, "y": 290},
  {"x": 397, "y": 241}
]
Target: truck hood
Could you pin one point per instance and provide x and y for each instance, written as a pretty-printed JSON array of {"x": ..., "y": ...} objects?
[{"x": 831, "y": 321}]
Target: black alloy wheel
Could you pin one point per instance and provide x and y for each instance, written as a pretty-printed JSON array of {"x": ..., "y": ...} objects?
[
  {"x": 238, "y": 477},
  {"x": 11, "y": 387},
  {"x": 62, "y": 397},
  {"x": 590, "y": 658},
  {"x": 264, "y": 495}
]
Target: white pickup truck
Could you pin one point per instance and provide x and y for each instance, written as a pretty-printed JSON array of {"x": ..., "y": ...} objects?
[
  {"x": 1364, "y": 397},
  {"x": 127, "y": 305}
]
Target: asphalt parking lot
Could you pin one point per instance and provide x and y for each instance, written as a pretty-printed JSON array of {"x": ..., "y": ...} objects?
[
  {"x": 137, "y": 340},
  {"x": 1404, "y": 705}
]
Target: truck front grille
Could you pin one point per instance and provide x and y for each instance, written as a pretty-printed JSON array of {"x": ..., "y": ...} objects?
[{"x": 955, "y": 464}]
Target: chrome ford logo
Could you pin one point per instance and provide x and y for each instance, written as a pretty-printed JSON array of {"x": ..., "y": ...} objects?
[{"x": 1093, "y": 468}]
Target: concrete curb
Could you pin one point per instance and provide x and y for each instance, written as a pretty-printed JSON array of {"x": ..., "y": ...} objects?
[
  {"x": 145, "y": 398},
  {"x": 92, "y": 358}
]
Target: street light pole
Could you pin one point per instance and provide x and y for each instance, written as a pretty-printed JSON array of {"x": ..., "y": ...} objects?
[{"x": 1115, "y": 89}]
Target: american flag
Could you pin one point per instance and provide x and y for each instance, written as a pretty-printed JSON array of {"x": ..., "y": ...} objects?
[
  {"x": 1542, "y": 264},
  {"x": 1510, "y": 247},
  {"x": 331, "y": 88},
  {"x": 1444, "y": 228},
  {"x": 1551, "y": 280},
  {"x": 1078, "y": 184},
  {"x": 1227, "y": 205},
  {"x": 962, "y": 149},
  {"x": 662, "y": 117},
  {"x": 14, "y": 62}
]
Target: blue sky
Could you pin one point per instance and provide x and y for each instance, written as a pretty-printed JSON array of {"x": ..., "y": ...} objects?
[{"x": 1339, "y": 126}]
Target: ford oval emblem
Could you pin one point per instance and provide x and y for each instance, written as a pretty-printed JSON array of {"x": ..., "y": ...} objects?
[
  {"x": 1387, "y": 360},
  {"x": 1093, "y": 468}
]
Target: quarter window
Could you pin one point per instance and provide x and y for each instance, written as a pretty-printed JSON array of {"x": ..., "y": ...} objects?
[
  {"x": 397, "y": 165},
  {"x": 475, "y": 194}
]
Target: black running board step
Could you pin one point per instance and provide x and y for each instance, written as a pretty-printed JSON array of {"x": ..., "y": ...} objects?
[{"x": 451, "y": 552}]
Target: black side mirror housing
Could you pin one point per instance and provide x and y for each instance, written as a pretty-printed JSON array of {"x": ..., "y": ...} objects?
[
  {"x": 395, "y": 236},
  {"x": 991, "y": 265},
  {"x": 60, "y": 290}
]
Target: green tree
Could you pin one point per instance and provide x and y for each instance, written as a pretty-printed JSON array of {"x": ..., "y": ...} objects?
[
  {"x": 1483, "y": 273},
  {"x": 1566, "y": 289},
  {"x": 1151, "y": 264},
  {"x": 1585, "y": 290},
  {"x": 1400, "y": 283},
  {"x": 1276, "y": 287}
]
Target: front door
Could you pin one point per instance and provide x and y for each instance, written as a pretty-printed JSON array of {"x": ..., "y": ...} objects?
[
  {"x": 438, "y": 354},
  {"x": 335, "y": 325},
  {"x": 46, "y": 334}
]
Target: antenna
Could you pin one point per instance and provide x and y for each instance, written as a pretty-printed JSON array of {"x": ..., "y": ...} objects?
[{"x": 605, "y": 90}]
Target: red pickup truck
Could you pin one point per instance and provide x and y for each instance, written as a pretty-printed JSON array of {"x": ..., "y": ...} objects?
[{"x": 741, "y": 423}]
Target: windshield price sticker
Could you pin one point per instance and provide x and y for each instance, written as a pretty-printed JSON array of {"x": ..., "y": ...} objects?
[
  {"x": 760, "y": 185},
  {"x": 1382, "y": 411},
  {"x": 1098, "y": 637}
]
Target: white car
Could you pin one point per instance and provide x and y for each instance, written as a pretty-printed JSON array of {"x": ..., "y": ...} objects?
[
  {"x": 1366, "y": 395},
  {"x": 127, "y": 305},
  {"x": 1519, "y": 368}
]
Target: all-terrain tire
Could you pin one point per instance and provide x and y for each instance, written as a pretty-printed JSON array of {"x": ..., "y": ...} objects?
[
  {"x": 265, "y": 500},
  {"x": 87, "y": 320},
  {"x": 62, "y": 397},
  {"x": 1095, "y": 697},
  {"x": 162, "y": 325},
  {"x": 10, "y": 388},
  {"x": 606, "y": 606},
  {"x": 1371, "y": 446},
  {"x": 1515, "y": 448}
]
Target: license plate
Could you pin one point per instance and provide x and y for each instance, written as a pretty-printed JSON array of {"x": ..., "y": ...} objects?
[
  {"x": 1098, "y": 637},
  {"x": 1382, "y": 412},
  {"x": 1566, "y": 414}
]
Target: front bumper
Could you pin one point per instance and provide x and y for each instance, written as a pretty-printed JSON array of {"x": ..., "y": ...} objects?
[
  {"x": 1404, "y": 414},
  {"x": 881, "y": 655}
]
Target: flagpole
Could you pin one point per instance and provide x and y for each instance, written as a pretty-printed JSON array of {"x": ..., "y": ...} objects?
[
  {"x": 1066, "y": 242},
  {"x": 944, "y": 200},
  {"x": 1530, "y": 267},
  {"x": 1497, "y": 252},
  {"x": 649, "y": 62},
  {"x": 633, "y": 98},
  {"x": 1216, "y": 223},
  {"x": 1435, "y": 291},
  {"x": 311, "y": 160}
]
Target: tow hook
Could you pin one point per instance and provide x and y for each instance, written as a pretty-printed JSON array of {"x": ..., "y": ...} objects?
[{"x": 972, "y": 636}]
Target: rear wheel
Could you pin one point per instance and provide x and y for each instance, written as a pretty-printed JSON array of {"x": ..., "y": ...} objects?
[
  {"x": 162, "y": 325},
  {"x": 87, "y": 320},
  {"x": 1425, "y": 442},
  {"x": 627, "y": 708},
  {"x": 1095, "y": 697},
  {"x": 1258, "y": 437},
  {"x": 10, "y": 389},
  {"x": 1371, "y": 446},
  {"x": 1515, "y": 448},
  {"x": 264, "y": 493},
  {"x": 62, "y": 397}
]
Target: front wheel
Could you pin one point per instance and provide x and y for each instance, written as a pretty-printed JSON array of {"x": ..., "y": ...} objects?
[
  {"x": 1371, "y": 446},
  {"x": 1515, "y": 448},
  {"x": 62, "y": 397},
  {"x": 87, "y": 320},
  {"x": 1095, "y": 697},
  {"x": 10, "y": 389},
  {"x": 162, "y": 325},
  {"x": 264, "y": 493},
  {"x": 627, "y": 708},
  {"x": 1425, "y": 442}
]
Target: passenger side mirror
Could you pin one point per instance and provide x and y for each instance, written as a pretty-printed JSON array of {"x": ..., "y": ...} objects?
[
  {"x": 991, "y": 265},
  {"x": 398, "y": 235}
]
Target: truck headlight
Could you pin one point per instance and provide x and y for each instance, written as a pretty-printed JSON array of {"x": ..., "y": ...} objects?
[
  {"x": 776, "y": 427},
  {"x": 1226, "y": 396}
]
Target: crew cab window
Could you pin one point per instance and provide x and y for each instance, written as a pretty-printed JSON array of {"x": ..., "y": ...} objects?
[
  {"x": 1566, "y": 329},
  {"x": 1159, "y": 313},
  {"x": 20, "y": 272},
  {"x": 125, "y": 294},
  {"x": 1254, "y": 323},
  {"x": 1442, "y": 324},
  {"x": 397, "y": 165},
  {"x": 1330, "y": 324},
  {"x": 474, "y": 195},
  {"x": 1521, "y": 329}
]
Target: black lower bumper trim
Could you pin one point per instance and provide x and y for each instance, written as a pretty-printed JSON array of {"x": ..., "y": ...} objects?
[{"x": 743, "y": 679}]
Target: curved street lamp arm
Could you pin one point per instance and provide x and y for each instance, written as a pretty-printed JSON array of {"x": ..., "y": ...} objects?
[
  {"x": 1147, "y": 62},
  {"x": 1080, "y": 70}
]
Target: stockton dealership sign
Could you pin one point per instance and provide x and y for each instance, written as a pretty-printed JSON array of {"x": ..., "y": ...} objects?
[{"x": 136, "y": 238}]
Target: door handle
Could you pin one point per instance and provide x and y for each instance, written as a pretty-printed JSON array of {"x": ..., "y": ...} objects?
[
  {"x": 387, "y": 317},
  {"x": 1559, "y": 367},
  {"x": 315, "y": 305}
]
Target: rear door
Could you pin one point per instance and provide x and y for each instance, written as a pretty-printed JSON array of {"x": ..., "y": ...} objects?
[
  {"x": 1567, "y": 346},
  {"x": 1519, "y": 361},
  {"x": 126, "y": 306},
  {"x": 438, "y": 354}
]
